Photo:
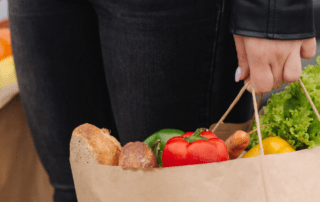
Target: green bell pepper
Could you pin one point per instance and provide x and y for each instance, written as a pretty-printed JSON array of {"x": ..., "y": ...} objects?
[{"x": 158, "y": 140}]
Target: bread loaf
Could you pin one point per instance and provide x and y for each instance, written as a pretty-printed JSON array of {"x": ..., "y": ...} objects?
[{"x": 90, "y": 144}]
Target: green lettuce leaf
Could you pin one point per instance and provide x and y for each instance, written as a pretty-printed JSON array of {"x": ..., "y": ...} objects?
[{"x": 298, "y": 124}]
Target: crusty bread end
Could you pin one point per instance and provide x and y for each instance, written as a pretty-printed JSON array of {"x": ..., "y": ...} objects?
[{"x": 90, "y": 144}]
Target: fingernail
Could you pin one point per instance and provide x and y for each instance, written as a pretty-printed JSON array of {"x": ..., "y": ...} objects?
[{"x": 238, "y": 74}]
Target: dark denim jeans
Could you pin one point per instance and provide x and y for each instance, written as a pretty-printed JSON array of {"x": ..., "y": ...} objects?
[{"x": 132, "y": 66}]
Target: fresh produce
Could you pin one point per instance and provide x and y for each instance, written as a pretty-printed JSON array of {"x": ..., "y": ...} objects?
[
  {"x": 137, "y": 155},
  {"x": 158, "y": 140},
  {"x": 90, "y": 144},
  {"x": 199, "y": 147},
  {"x": 5, "y": 43},
  {"x": 5, "y": 34},
  {"x": 239, "y": 141},
  {"x": 271, "y": 145},
  {"x": 7, "y": 72},
  {"x": 4, "y": 23},
  {"x": 298, "y": 124}
]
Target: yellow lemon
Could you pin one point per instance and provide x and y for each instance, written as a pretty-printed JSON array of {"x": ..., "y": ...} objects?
[{"x": 271, "y": 145}]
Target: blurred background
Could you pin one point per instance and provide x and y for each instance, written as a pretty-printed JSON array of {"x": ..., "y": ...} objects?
[
  {"x": 3, "y": 9},
  {"x": 22, "y": 177}
]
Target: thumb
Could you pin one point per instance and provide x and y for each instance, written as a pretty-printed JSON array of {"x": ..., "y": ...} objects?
[{"x": 243, "y": 70}]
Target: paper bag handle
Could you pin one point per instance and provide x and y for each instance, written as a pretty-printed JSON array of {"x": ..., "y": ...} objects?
[
  {"x": 256, "y": 114},
  {"x": 309, "y": 99},
  {"x": 243, "y": 89}
]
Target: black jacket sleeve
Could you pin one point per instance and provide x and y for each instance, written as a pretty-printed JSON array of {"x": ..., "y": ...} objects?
[{"x": 273, "y": 19}]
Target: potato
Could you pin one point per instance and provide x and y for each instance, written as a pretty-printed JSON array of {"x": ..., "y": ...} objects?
[{"x": 137, "y": 155}]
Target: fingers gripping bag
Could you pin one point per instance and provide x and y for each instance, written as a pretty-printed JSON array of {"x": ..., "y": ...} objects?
[{"x": 282, "y": 177}]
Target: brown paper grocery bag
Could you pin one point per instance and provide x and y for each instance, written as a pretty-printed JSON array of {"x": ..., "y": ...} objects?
[
  {"x": 293, "y": 177},
  {"x": 289, "y": 177}
]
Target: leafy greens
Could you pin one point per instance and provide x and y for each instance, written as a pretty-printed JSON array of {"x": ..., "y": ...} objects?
[{"x": 298, "y": 124}]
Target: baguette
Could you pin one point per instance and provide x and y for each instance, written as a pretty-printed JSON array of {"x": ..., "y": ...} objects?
[
  {"x": 90, "y": 144},
  {"x": 239, "y": 141}
]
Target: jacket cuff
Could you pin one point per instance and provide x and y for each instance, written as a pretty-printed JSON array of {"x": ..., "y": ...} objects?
[{"x": 273, "y": 19}]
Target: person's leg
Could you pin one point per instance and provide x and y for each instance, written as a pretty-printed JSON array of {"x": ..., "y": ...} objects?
[
  {"x": 224, "y": 89},
  {"x": 58, "y": 60},
  {"x": 162, "y": 68}
]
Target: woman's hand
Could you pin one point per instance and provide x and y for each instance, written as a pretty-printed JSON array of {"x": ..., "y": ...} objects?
[{"x": 270, "y": 63}]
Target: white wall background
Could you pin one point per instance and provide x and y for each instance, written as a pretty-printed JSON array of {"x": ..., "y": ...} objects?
[{"x": 3, "y": 9}]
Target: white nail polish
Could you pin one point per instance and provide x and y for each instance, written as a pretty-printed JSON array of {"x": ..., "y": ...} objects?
[{"x": 238, "y": 74}]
